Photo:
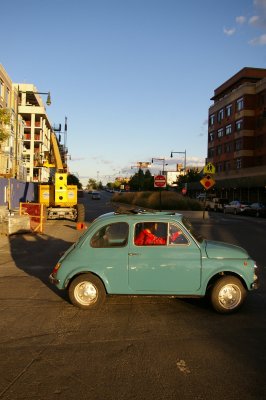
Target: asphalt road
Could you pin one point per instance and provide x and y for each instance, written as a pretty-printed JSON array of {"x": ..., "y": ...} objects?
[{"x": 134, "y": 347}]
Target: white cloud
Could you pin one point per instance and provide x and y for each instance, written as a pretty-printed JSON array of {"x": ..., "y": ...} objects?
[
  {"x": 240, "y": 19},
  {"x": 254, "y": 20},
  {"x": 229, "y": 31},
  {"x": 259, "y": 41}
]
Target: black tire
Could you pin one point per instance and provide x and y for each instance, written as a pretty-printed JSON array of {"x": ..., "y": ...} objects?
[
  {"x": 87, "y": 291},
  {"x": 80, "y": 212},
  {"x": 227, "y": 295}
]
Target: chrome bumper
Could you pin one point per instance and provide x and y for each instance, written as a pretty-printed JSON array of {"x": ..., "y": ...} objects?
[{"x": 53, "y": 280}]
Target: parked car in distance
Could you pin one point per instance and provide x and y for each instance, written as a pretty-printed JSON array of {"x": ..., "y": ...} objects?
[
  {"x": 201, "y": 197},
  {"x": 256, "y": 209},
  {"x": 95, "y": 196},
  {"x": 215, "y": 204},
  {"x": 112, "y": 257},
  {"x": 236, "y": 207}
]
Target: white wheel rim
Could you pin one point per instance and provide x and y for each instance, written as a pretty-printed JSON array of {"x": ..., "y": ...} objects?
[
  {"x": 85, "y": 293},
  {"x": 229, "y": 296}
]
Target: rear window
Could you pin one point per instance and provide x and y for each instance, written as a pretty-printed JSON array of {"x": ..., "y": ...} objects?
[{"x": 111, "y": 235}]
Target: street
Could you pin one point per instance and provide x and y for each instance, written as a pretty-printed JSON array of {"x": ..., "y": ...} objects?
[{"x": 133, "y": 347}]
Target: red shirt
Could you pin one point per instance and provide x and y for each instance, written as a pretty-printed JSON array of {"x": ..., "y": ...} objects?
[{"x": 146, "y": 238}]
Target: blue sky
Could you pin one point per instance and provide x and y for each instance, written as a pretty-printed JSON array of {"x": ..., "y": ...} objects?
[{"x": 133, "y": 77}]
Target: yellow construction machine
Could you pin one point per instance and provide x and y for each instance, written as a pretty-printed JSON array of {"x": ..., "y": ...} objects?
[{"x": 60, "y": 199}]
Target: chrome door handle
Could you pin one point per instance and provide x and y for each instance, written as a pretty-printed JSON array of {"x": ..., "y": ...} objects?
[{"x": 133, "y": 254}]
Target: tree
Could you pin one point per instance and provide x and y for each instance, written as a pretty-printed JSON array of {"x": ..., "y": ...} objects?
[
  {"x": 4, "y": 123},
  {"x": 141, "y": 180},
  {"x": 92, "y": 184},
  {"x": 73, "y": 180},
  {"x": 192, "y": 175}
]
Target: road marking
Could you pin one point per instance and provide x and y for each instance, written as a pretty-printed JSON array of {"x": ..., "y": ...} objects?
[{"x": 182, "y": 366}]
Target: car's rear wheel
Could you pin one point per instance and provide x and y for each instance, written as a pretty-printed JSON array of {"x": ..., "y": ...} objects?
[
  {"x": 87, "y": 291},
  {"x": 227, "y": 295}
]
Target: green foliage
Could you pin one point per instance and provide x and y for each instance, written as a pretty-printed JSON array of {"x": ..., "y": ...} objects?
[
  {"x": 4, "y": 123},
  {"x": 155, "y": 200},
  {"x": 141, "y": 180},
  {"x": 191, "y": 176},
  {"x": 93, "y": 184},
  {"x": 73, "y": 180}
]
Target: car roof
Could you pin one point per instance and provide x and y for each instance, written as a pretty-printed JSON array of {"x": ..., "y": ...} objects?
[{"x": 139, "y": 214}]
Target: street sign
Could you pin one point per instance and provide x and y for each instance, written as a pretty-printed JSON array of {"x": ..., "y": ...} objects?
[
  {"x": 142, "y": 164},
  {"x": 159, "y": 181},
  {"x": 207, "y": 182},
  {"x": 209, "y": 169}
]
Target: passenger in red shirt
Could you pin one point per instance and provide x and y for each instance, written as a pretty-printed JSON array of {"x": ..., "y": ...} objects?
[{"x": 147, "y": 238}]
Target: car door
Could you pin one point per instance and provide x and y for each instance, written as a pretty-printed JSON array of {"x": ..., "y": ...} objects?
[
  {"x": 164, "y": 269},
  {"x": 106, "y": 254}
]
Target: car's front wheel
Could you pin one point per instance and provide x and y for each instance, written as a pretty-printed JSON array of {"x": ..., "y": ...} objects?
[
  {"x": 87, "y": 291},
  {"x": 227, "y": 295}
]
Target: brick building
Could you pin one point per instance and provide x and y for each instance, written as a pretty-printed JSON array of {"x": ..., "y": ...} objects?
[{"x": 237, "y": 136}]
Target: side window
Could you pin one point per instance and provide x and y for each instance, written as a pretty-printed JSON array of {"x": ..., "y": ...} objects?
[
  {"x": 150, "y": 234},
  {"x": 176, "y": 235},
  {"x": 112, "y": 235}
]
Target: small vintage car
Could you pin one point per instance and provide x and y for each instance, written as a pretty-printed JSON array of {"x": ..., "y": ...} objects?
[{"x": 119, "y": 254}]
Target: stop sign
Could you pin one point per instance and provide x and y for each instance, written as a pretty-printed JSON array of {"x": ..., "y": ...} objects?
[{"x": 159, "y": 181}]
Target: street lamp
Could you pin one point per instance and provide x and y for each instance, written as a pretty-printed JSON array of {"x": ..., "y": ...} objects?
[
  {"x": 185, "y": 157},
  {"x": 159, "y": 159}
]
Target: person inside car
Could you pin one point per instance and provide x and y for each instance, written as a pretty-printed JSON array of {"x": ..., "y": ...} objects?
[{"x": 146, "y": 237}]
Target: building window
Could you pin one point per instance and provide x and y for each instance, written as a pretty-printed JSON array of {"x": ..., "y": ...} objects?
[
  {"x": 227, "y": 166},
  {"x": 228, "y": 129},
  {"x": 212, "y": 120},
  {"x": 220, "y": 133},
  {"x": 238, "y": 145},
  {"x": 220, "y": 167},
  {"x": 240, "y": 104},
  {"x": 220, "y": 115},
  {"x": 7, "y": 97},
  {"x": 238, "y": 163},
  {"x": 239, "y": 124},
  {"x": 211, "y": 153},
  {"x": 228, "y": 110},
  {"x": 219, "y": 150},
  {"x": 1, "y": 88},
  {"x": 212, "y": 135},
  {"x": 227, "y": 148}
]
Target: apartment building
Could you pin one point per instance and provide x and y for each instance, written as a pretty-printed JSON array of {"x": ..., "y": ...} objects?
[
  {"x": 11, "y": 160},
  {"x": 37, "y": 132},
  {"x": 23, "y": 152},
  {"x": 237, "y": 135}
]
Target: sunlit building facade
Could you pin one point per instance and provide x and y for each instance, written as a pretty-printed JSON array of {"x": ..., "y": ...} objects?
[{"x": 237, "y": 135}]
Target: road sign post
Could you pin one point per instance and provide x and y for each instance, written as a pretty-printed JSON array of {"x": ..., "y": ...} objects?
[{"x": 160, "y": 182}]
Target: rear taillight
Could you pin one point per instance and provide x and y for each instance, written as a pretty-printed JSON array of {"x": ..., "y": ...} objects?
[{"x": 56, "y": 268}]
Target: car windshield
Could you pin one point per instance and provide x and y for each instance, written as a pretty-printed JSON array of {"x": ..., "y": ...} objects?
[{"x": 191, "y": 229}]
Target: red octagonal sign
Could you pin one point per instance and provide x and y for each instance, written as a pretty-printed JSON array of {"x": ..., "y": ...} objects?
[{"x": 159, "y": 181}]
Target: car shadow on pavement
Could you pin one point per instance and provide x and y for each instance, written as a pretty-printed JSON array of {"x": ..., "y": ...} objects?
[{"x": 37, "y": 254}]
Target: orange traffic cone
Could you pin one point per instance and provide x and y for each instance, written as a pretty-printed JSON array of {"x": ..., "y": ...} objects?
[{"x": 81, "y": 226}]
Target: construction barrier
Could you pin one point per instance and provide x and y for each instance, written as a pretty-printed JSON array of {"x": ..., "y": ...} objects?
[{"x": 37, "y": 214}]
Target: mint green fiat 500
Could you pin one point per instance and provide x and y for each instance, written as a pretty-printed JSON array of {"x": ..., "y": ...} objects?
[{"x": 153, "y": 253}]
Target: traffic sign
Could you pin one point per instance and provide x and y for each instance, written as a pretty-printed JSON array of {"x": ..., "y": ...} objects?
[
  {"x": 207, "y": 182},
  {"x": 159, "y": 181},
  {"x": 209, "y": 169}
]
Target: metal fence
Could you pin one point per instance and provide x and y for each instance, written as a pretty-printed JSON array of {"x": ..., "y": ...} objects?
[{"x": 13, "y": 192}]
